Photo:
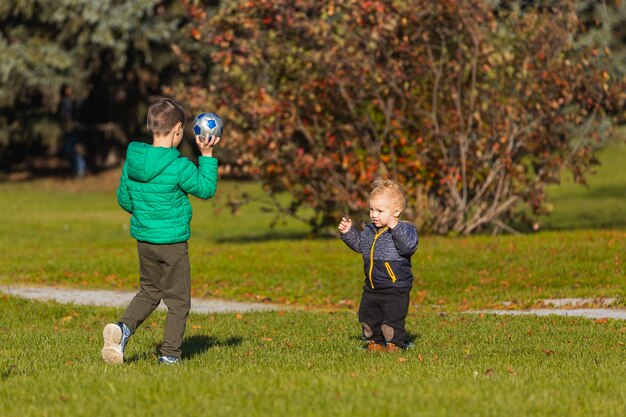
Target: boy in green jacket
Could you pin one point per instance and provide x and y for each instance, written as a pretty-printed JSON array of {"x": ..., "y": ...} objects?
[{"x": 153, "y": 188}]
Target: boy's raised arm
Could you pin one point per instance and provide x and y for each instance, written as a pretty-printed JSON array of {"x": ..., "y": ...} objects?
[
  {"x": 123, "y": 197},
  {"x": 200, "y": 181}
]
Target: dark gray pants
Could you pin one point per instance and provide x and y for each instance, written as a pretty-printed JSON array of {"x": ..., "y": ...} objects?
[
  {"x": 382, "y": 314},
  {"x": 165, "y": 274}
]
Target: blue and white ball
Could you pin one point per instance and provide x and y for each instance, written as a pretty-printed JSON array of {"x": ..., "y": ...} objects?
[{"x": 206, "y": 125}]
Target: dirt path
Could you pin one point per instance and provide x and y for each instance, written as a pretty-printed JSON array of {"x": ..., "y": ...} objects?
[
  {"x": 122, "y": 298},
  {"x": 590, "y": 313},
  {"x": 204, "y": 306}
]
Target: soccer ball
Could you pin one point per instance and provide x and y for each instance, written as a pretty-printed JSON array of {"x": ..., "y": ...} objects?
[{"x": 206, "y": 125}]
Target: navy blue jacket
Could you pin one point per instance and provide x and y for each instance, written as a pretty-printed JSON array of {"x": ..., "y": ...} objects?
[{"x": 386, "y": 254}]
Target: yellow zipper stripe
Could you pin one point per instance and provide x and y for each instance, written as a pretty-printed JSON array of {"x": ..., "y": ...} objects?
[
  {"x": 372, "y": 255},
  {"x": 390, "y": 272}
]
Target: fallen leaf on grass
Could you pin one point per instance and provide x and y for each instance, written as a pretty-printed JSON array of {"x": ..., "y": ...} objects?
[
  {"x": 419, "y": 357},
  {"x": 266, "y": 339},
  {"x": 421, "y": 295},
  {"x": 402, "y": 359},
  {"x": 602, "y": 320},
  {"x": 548, "y": 352},
  {"x": 196, "y": 327},
  {"x": 511, "y": 371},
  {"x": 238, "y": 316},
  {"x": 490, "y": 372}
]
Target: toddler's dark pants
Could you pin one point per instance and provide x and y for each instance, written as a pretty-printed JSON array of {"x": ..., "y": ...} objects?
[
  {"x": 165, "y": 274},
  {"x": 382, "y": 314}
]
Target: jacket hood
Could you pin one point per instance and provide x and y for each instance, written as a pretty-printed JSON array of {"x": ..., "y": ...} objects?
[{"x": 144, "y": 162}]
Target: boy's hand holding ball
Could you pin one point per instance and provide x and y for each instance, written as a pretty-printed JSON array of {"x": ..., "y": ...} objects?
[
  {"x": 206, "y": 144},
  {"x": 208, "y": 128}
]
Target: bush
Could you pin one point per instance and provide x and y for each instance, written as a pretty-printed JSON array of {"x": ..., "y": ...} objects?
[{"x": 475, "y": 112}]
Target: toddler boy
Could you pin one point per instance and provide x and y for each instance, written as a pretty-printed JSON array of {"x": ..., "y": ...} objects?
[{"x": 386, "y": 245}]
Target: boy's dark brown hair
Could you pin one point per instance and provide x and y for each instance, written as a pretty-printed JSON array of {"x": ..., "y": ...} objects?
[{"x": 163, "y": 115}]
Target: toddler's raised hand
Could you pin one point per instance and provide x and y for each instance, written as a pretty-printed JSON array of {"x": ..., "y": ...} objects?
[{"x": 345, "y": 225}]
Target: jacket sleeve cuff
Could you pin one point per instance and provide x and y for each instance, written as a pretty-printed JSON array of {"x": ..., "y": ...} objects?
[{"x": 207, "y": 160}]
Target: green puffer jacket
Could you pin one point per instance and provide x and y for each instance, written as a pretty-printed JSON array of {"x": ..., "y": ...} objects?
[{"x": 153, "y": 189}]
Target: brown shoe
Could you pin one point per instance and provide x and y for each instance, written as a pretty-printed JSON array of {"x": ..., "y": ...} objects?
[
  {"x": 374, "y": 347},
  {"x": 392, "y": 348}
]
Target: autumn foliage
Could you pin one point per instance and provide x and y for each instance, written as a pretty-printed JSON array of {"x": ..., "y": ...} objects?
[{"x": 474, "y": 110}]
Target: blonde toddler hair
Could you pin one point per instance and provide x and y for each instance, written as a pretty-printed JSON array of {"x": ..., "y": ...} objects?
[{"x": 388, "y": 189}]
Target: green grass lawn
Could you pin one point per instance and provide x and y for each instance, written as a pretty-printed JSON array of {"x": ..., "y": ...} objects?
[
  {"x": 600, "y": 204},
  {"x": 311, "y": 364},
  {"x": 307, "y": 361},
  {"x": 51, "y": 236}
]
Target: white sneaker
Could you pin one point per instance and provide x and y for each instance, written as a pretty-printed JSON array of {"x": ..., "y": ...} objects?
[
  {"x": 115, "y": 338},
  {"x": 168, "y": 360}
]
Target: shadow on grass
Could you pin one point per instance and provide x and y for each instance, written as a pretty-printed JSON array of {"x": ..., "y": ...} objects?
[
  {"x": 595, "y": 192},
  {"x": 191, "y": 346},
  {"x": 587, "y": 223},
  {"x": 198, "y": 344},
  {"x": 413, "y": 337},
  {"x": 139, "y": 357},
  {"x": 602, "y": 215},
  {"x": 410, "y": 337},
  {"x": 274, "y": 237}
]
